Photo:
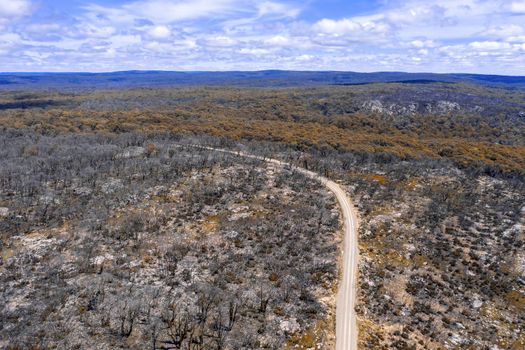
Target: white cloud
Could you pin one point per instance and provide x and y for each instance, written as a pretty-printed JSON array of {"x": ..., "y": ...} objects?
[
  {"x": 304, "y": 58},
  {"x": 422, "y": 44},
  {"x": 489, "y": 45},
  {"x": 89, "y": 30},
  {"x": 220, "y": 41},
  {"x": 164, "y": 11},
  {"x": 254, "y": 51},
  {"x": 274, "y": 8},
  {"x": 414, "y": 12},
  {"x": 341, "y": 27},
  {"x": 345, "y": 31},
  {"x": 111, "y": 52},
  {"x": 505, "y": 31},
  {"x": 13, "y": 9},
  {"x": 516, "y": 39},
  {"x": 278, "y": 40},
  {"x": 159, "y": 32},
  {"x": 517, "y": 6},
  {"x": 8, "y": 40},
  {"x": 163, "y": 48}
]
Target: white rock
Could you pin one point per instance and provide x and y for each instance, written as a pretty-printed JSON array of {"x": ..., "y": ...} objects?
[
  {"x": 100, "y": 259},
  {"x": 374, "y": 106},
  {"x": 476, "y": 304},
  {"x": 447, "y": 106},
  {"x": 410, "y": 247},
  {"x": 239, "y": 216},
  {"x": 4, "y": 211},
  {"x": 289, "y": 326},
  {"x": 82, "y": 191},
  {"x": 456, "y": 339},
  {"x": 232, "y": 234}
]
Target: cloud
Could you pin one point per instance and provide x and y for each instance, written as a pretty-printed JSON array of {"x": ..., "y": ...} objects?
[
  {"x": 345, "y": 31},
  {"x": 504, "y": 31},
  {"x": 88, "y": 30},
  {"x": 14, "y": 9},
  {"x": 414, "y": 13},
  {"x": 490, "y": 45},
  {"x": 164, "y": 11},
  {"x": 431, "y": 35},
  {"x": 340, "y": 27},
  {"x": 220, "y": 41},
  {"x": 159, "y": 32},
  {"x": 517, "y": 6},
  {"x": 9, "y": 40},
  {"x": 277, "y": 9},
  {"x": 422, "y": 44},
  {"x": 351, "y": 27},
  {"x": 304, "y": 58},
  {"x": 277, "y": 40},
  {"x": 254, "y": 51}
]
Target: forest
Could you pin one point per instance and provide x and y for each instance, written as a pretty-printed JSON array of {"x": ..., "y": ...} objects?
[
  {"x": 113, "y": 230},
  {"x": 475, "y": 127}
]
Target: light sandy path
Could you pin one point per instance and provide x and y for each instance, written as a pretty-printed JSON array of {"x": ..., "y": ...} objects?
[{"x": 346, "y": 324}]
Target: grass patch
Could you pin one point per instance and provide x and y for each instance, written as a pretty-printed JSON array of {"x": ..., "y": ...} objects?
[
  {"x": 311, "y": 338},
  {"x": 381, "y": 179},
  {"x": 516, "y": 300},
  {"x": 211, "y": 224}
]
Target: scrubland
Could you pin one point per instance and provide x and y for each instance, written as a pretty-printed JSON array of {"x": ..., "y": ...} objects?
[
  {"x": 127, "y": 242},
  {"x": 112, "y": 236}
]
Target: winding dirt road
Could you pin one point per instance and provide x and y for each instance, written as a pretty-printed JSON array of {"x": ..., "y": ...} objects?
[{"x": 346, "y": 322}]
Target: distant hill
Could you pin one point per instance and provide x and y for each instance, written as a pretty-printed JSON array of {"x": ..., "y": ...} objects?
[{"x": 268, "y": 78}]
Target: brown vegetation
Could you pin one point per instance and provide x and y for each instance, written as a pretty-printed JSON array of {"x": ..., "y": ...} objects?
[{"x": 335, "y": 117}]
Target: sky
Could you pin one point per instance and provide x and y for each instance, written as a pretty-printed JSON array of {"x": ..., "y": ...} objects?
[{"x": 443, "y": 36}]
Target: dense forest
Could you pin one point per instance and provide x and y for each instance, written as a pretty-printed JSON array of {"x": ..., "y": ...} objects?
[
  {"x": 470, "y": 125},
  {"x": 113, "y": 232}
]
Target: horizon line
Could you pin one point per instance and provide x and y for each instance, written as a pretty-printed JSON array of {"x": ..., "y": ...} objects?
[{"x": 249, "y": 71}]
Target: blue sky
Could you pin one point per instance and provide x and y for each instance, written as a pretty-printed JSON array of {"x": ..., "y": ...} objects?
[{"x": 476, "y": 36}]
